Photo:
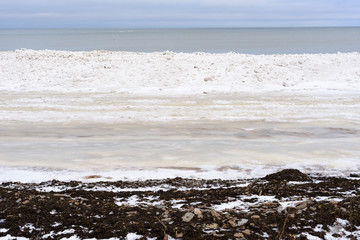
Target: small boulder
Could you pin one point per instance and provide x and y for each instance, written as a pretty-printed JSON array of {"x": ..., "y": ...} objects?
[{"x": 288, "y": 175}]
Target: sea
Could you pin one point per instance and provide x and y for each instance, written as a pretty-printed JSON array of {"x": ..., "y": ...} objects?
[
  {"x": 212, "y": 40},
  {"x": 156, "y": 103}
]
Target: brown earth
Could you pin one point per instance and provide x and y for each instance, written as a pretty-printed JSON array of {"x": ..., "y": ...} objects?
[{"x": 183, "y": 208}]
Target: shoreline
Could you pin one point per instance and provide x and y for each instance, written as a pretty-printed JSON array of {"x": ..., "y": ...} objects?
[
  {"x": 37, "y": 175},
  {"x": 283, "y": 205}
]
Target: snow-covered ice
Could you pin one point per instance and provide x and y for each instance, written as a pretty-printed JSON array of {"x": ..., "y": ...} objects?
[{"x": 68, "y": 115}]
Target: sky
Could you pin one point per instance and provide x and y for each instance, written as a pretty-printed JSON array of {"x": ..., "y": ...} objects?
[{"x": 177, "y": 13}]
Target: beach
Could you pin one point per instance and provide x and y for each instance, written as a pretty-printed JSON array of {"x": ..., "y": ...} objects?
[
  {"x": 284, "y": 205},
  {"x": 66, "y": 115},
  {"x": 167, "y": 134}
]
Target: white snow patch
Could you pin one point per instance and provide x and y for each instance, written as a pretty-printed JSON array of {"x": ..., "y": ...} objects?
[
  {"x": 133, "y": 236},
  {"x": 9, "y": 237}
]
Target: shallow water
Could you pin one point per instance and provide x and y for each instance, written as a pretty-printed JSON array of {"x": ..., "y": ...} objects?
[{"x": 242, "y": 40}]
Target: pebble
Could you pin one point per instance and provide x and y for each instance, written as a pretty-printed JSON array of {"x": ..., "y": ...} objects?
[
  {"x": 242, "y": 222},
  {"x": 197, "y": 211},
  {"x": 215, "y": 214},
  {"x": 301, "y": 205},
  {"x": 239, "y": 235},
  {"x": 212, "y": 225},
  {"x": 232, "y": 223},
  {"x": 246, "y": 232},
  {"x": 188, "y": 217},
  {"x": 255, "y": 216}
]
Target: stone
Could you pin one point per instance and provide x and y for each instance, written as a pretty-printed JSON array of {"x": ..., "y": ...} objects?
[
  {"x": 246, "y": 232},
  {"x": 288, "y": 175},
  {"x": 179, "y": 235},
  {"x": 242, "y": 222},
  {"x": 239, "y": 235},
  {"x": 301, "y": 205},
  {"x": 215, "y": 214},
  {"x": 188, "y": 217},
  {"x": 232, "y": 223},
  {"x": 197, "y": 211},
  {"x": 207, "y": 79},
  {"x": 212, "y": 225},
  {"x": 255, "y": 217}
]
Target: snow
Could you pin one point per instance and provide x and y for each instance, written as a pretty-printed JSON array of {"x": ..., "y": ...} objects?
[
  {"x": 133, "y": 236},
  {"x": 9, "y": 237},
  {"x": 123, "y": 115},
  {"x": 240, "y": 204},
  {"x": 174, "y": 73}
]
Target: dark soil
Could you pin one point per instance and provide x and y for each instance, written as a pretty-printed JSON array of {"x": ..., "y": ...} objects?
[{"x": 183, "y": 208}]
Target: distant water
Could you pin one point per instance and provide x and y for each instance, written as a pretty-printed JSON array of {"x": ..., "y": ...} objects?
[{"x": 242, "y": 40}]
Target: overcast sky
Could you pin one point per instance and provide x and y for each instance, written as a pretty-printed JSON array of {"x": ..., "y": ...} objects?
[{"x": 177, "y": 13}]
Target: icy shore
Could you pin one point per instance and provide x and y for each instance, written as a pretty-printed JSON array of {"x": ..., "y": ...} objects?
[{"x": 223, "y": 115}]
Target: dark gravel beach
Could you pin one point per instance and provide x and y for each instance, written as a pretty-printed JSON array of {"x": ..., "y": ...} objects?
[{"x": 284, "y": 205}]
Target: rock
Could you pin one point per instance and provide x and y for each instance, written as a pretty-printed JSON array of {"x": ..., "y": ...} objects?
[
  {"x": 255, "y": 217},
  {"x": 218, "y": 235},
  {"x": 246, "y": 232},
  {"x": 242, "y": 222},
  {"x": 197, "y": 211},
  {"x": 239, "y": 235},
  {"x": 232, "y": 223},
  {"x": 301, "y": 205},
  {"x": 212, "y": 225},
  {"x": 179, "y": 235},
  {"x": 256, "y": 206},
  {"x": 354, "y": 175},
  {"x": 188, "y": 217},
  {"x": 334, "y": 202},
  {"x": 215, "y": 214},
  {"x": 288, "y": 175},
  {"x": 62, "y": 195},
  {"x": 207, "y": 79}
]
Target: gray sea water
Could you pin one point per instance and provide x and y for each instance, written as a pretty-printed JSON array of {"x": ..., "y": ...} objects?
[{"x": 242, "y": 40}]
